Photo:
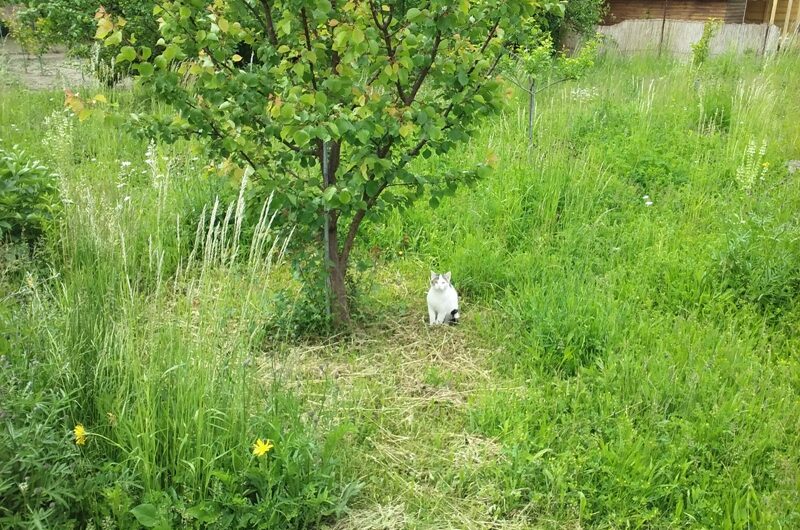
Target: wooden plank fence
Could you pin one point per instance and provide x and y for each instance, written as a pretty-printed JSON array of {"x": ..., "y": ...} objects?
[{"x": 677, "y": 36}]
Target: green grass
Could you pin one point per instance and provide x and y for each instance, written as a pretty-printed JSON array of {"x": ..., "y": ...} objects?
[{"x": 619, "y": 365}]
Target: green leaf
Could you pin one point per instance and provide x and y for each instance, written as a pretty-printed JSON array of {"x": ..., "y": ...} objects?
[
  {"x": 340, "y": 39},
  {"x": 413, "y": 14},
  {"x": 114, "y": 39},
  {"x": 301, "y": 138},
  {"x": 357, "y": 36},
  {"x": 372, "y": 188},
  {"x": 204, "y": 512},
  {"x": 146, "y": 514},
  {"x": 145, "y": 69},
  {"x": 345, "y": 197},
  {"x": 171, "y": 52},
  {"x": 126, "y": 54},
  {"x": 363, "y": 136},
  {"x": 284, "y": 27}
]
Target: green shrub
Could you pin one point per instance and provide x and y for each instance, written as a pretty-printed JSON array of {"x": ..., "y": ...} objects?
[
  {"x": 29, "y": 198},
  {"x": 33, "y": 33},
  {"x": 72, "y": 23},
  {"x": 702, "y": 48},
  {"x": 761, "y": 263}
]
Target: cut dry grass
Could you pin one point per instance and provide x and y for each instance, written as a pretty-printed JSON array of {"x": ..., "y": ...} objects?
[{"x": 406, "y": 388}]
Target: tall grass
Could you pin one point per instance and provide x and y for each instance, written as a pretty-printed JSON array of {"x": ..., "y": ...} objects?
[
  {"x": 154, "y": 327},
  {"x": 650, "y": 349},
  {"x": 628, "y": 353}
]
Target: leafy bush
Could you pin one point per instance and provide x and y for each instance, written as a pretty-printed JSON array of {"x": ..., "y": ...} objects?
[
  {"x": 761, "y": 263},
  {"x": 579, "y": 16},
  {"x": 72, "y": 23},
  {"x": 33, "y": 33},
  {"x": 702, "y": 48},
  {"x": 761, "y": 260},
  {"x": 29, "y": 198}
]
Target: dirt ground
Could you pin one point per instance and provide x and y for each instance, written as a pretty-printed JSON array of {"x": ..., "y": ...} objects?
[{"x": 55, "y": 71}]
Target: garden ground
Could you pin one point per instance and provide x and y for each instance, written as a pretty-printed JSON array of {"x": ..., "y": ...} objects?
[
  {"x": 627, "y": 357},
  {"x": 54, "y": 71}
]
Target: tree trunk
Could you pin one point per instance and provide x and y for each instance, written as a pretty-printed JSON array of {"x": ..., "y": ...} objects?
[
  {"x": 341, "y": 309},
  {"x": 337, "y": 269}
]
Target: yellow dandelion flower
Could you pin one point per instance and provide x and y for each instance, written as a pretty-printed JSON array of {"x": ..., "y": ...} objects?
[
  {"x": 765, "y": 165},
  {"x": 261, "y": 447},
  {"x": 80, "y": 434}
]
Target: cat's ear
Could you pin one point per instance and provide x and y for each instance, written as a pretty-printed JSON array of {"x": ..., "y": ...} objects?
[
  {"x": 433, "y": 275},
  {"x": 447, "y": 276}
]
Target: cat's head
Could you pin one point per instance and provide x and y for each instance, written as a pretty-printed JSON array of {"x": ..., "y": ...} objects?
[{"x": 440, "y": 281}]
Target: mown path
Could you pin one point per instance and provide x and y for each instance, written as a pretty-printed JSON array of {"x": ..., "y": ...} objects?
[{"x": 406, "y": 391}]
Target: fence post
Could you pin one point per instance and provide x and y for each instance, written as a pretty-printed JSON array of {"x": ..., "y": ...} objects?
[
  {"x": 769, "y": 25},
  {"x": 663, "y": 23},
  {"x": 797, "y": 21}
]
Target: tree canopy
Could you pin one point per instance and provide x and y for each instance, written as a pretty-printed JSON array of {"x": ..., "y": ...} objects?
[{"x": 327, "y": 102}]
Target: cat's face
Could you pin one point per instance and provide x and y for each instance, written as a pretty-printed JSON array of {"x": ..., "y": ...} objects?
[{"x": 440, "y": 282}]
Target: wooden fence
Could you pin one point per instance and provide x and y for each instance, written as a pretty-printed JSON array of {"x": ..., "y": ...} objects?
[{"x": 677, "y": 36}]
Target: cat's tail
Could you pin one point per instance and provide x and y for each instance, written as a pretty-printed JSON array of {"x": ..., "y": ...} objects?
[{"x": 454, "y": 317}]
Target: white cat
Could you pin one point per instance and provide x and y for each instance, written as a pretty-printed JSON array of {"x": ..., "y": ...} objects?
[{"x": 442, "y": 300}]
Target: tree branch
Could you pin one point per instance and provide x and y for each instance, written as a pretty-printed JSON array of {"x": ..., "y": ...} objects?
[
  {"x": 308, "y": 46},
  {"x": 387, "y": 40},
  {"x": 273, "y": 37},
  {"x": 356, "y": 222},
  {"x": 334, "y": 159},
  {"x": 424, "y": 72},
  {"x": 518, "y": 84},
  {"x": 478, "y": 87},
  {"x": 554, "y": 83},
  {"x": 255, "y": 14},
  {"x": 219, "y": 134},
  {"x": 487, "y": 41}
]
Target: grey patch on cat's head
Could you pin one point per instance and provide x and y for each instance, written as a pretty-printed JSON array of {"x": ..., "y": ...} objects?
[{"x": 440, "y": 281}]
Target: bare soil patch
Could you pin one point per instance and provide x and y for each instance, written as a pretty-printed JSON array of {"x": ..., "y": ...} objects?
[{"x": 55, "y": 69}]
